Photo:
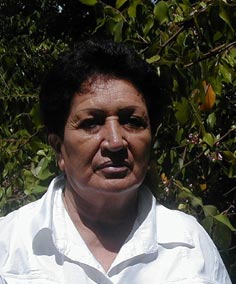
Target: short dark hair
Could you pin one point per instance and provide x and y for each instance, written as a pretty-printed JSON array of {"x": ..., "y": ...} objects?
[{"x": 92, "y": 58}]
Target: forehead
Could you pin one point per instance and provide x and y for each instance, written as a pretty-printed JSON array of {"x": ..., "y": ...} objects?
[{"x": 108, "y": 93}]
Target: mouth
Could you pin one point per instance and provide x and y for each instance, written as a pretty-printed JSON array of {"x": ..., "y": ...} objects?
[{"x": 114, "y": 170}]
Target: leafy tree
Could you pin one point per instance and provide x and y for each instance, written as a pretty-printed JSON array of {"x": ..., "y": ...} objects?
[{"x": 192, "y": 46}]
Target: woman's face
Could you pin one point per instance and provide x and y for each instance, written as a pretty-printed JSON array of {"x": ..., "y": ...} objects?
[{"x": 107, "y": 138}]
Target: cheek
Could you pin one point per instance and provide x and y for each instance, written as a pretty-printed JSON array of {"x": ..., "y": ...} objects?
[
  {"x": 78, "y": 154},
  {"x": 141, "y": 151}
]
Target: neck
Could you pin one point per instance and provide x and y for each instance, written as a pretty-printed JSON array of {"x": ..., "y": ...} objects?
[
  {"x": 104, "y": 222},
  {"x": 102, "y": 209}
]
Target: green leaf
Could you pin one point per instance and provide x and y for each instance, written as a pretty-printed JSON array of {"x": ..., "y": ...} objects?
[
  {"x": 153, "y": 59},
  {"x": 229, "y": 157},
  {"x": 232, "y": 57},
  {"x": 182, "y": 111},
  {"x": 153, "y": 48},
  {"x": 149, "y": 24},
  {"x": 222, "y": 236},
  {"x": 208, "y": 224},
  {"x": 196, "y": 201},
  {"x": 41, "y": 152},
  {"x": 42, "y": 171},
  {"x": 35, "y": 116},
  {"x": 161, "y": 11},
  {"x": 132, "y": 8},
  {"x": 226, "y": 73},
  {"x": 210, "y": 210},
  {"x": 187, "y": 193},
  {"x": 117, "y": 31},
  {"x": 9, "y": 192},
  {"x": 211, "y": 120},
  {"x": 231, "y": 172},
  {"x": 179, "y": 135},
  {"x": 120, "y": 3},
  {"x": 225, "y": 220},
  {"x": 181, "y": 163},
  {"x": 89, "y": 2},
  {"x": 209, "y": 139},
  {"x": 218, "y": 231},
  {"x": 224, "y": 15},
  {"x": 39, "y": 189}
]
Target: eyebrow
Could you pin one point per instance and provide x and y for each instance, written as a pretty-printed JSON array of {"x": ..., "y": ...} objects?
[{"x": 97, "y": 110}]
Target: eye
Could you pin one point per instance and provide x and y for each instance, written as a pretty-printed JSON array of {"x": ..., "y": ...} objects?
[
  {"x": 90, "y": 124},
  {"x": 134, "y": 122}
]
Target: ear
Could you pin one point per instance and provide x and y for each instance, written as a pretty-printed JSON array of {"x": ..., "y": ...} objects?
[{"x": 56, "y": 143}]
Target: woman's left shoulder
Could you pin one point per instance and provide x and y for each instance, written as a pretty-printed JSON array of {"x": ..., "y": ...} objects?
[
  {"x": 175, "y": 222},
  {"x": 176, "y": 216},
  {"x": 178, "y": 229}
]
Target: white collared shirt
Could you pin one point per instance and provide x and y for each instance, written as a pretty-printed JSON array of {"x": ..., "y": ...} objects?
[{"x": 40, "y": 245}]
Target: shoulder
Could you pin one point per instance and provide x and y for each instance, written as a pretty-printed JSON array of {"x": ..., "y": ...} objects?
[
  {"x": 27, "y": 212},
  {"x": 171, "y": 225},
  {"x": 15, "y": 236},
  {"x": 177, "y": 229},
  {"x": 176, "y": 225},
  {"x": 17, "y": 220},
  {"x": 19, "y": 227},
  {"x": 184, "y": 244},
  {"x": 175, "y": 218}
]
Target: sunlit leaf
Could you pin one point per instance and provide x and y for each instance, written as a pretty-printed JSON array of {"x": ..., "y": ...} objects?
[
  {"x": 120, "y": 3},
  {"x": 132, "y": 8},
  {"x": 182, "y": 111},
  {"x": 210, "y": 210},
  {"x": 225, "y": 220},
  {"x": 161, "y": 11},
  {"x": 209, "y": 139},
  {"x": 210, "y": 97},
  {"x": 89, "y": 2},
  {"x": 153, "y": 59},
  {"x": 117, "y": 31},
  {"x": 211, "y": 120},
  {"x": 226, "y": 73},
  {"x": 229, "y": 157}
]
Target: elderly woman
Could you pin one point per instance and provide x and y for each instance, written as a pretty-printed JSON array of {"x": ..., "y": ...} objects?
[{"x": 98, "y": 223}]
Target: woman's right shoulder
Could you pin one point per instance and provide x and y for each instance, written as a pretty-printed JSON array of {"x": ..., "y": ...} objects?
[
  {"x": 23, "y": 212},
  {"x": 16, "y": 224},
  {"x": 28, "y": 212}
]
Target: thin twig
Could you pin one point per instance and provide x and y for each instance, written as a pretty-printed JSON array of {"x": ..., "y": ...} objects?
[
  {"x": 229, "y": 249},
  {"x": 171, "y": 38},
  {"x": 211, "y": 53},
  {"x": 229, "y": 191},
  {"x": 202, "y": 153}
]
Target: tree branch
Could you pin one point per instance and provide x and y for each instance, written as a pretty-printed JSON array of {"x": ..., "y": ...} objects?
[{"x": 211, "y": 53}]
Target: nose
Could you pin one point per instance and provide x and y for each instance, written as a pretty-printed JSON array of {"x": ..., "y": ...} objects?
[{"x": 114, "y": 138}]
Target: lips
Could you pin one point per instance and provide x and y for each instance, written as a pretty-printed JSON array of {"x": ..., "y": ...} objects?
[{"x": 114, "y": 170}]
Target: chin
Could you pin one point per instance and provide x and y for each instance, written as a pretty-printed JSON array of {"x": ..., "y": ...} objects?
[{"x": 117, "y": 186}]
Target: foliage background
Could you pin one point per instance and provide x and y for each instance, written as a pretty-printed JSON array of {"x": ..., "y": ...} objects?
[{"x": 192, "y": 45}]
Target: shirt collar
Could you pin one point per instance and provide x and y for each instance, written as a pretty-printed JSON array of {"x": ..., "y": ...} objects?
[
  {"x": 47, "y": 206},
  {"x": 155, "y": 225}
]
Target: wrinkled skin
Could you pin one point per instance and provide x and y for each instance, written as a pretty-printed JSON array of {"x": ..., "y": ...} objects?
[{"x": 107, "y": 139}]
